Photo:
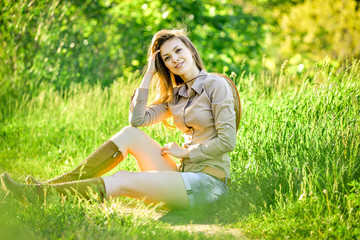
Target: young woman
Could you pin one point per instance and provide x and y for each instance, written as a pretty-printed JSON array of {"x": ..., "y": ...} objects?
[{"x": 202, "y": 107}]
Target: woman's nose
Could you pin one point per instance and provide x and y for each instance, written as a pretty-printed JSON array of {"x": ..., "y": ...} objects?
[{"x": 175, "y": 58}]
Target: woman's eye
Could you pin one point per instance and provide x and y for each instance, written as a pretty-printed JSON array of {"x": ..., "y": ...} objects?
[
  {"x": 178, "y": 50},
  {"x": 167, "y": 58}
]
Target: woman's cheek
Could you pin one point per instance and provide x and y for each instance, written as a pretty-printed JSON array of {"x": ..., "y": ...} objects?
[{"x": 168, "y": 66}]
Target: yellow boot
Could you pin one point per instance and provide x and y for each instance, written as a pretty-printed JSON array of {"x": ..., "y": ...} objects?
[
  {"x": 84, "y": 188},
  {"x": 105, "y": 158}
]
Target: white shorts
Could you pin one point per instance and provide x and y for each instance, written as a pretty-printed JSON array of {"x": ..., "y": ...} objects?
[{"x": 203, "y": 188}]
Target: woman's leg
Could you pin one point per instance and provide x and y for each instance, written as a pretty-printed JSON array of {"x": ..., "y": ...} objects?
[
  {"x": 158, "y": 181},
  {"x": 151, "y": 187},
  {"x": 146, "y": 151},
  {"x": 131, "y": 140}
]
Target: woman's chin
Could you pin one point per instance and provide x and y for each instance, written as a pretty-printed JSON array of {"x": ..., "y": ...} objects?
[{"x": 180, "y": 71}]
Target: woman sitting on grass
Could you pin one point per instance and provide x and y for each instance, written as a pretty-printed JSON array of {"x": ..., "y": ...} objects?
[{"x": 202, "y": 107}]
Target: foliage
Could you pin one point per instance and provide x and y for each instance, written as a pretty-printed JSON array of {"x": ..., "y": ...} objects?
[
  {"x": 305, "y": 32},
  {"x": 64, "y": 42},
  {"x": 316, "y": 29},
  {"x": 272, "y": 3}
]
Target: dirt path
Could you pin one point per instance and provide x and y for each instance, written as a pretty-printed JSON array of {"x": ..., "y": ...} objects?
[
  {"x": 182, "y": 223},
  {"x": 177, "y": 223},
  {"x": 210, "y": 229}
]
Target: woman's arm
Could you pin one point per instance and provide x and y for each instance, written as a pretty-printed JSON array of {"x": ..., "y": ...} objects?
[
  {"x": 140, "y": 114},
  {"x": 150, "y": 72}
]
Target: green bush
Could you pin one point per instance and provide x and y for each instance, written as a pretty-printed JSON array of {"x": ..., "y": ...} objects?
[
  {"x": 59, "y": 43},
  {"x": 316, "y": 29}
]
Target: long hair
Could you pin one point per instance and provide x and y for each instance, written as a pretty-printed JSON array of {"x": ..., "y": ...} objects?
[{"x": 164, "y": 80}]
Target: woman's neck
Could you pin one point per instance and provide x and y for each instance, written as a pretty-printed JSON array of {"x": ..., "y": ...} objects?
[
  {"x": 191, "y": 73},
  {"x": 190, "y": 77}
]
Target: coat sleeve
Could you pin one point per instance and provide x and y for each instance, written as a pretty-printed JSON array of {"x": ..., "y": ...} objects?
[
  {"x": 142, "y": 115},
  {"x": 222, "y": 105}
]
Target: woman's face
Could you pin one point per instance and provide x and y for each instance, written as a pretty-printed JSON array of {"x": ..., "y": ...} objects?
[{"x": 177, "y": 57}]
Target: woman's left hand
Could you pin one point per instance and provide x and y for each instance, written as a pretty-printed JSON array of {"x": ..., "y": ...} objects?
[{"x": 175, "y": 150}]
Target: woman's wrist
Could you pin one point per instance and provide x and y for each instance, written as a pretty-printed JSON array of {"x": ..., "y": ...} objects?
[
  {"x": 186, "y": 153},
  {"x": 146, "y": 80}
]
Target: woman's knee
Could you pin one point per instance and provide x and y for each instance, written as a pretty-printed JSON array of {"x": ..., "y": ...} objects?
[
  {"x": 131, "y": 130},
  {"x": 123, "y": 182},
  {"x": 126, "y": 137},
  {"x": 120, "y": 175},
  {"x": 128, "y": 132},
  {"x": 115, "y": 183}
]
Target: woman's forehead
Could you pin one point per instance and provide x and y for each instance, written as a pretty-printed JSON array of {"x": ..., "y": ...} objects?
[{"x": 170, "y": 45}]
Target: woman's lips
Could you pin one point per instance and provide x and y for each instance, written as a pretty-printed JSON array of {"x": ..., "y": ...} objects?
[{"x": 179, "y": 65}]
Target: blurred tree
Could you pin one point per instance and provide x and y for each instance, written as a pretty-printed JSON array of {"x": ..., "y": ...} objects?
[
  {"x": 223, "y": 33},
  {"x": 304, "y": 31},
  {"x": 270, "y": 3},
  {"x": 272, "y": 11},
  {"x": 60, "y": 42},
  {"x": 316, "y": 29}
]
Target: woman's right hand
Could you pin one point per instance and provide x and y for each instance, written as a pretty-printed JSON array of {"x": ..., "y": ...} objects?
[{"x": 150, "y": 72}]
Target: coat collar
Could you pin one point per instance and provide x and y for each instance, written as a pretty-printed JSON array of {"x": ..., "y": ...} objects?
[{"x": 197, "y": 85}]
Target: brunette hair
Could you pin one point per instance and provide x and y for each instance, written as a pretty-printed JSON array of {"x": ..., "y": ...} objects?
[{"x": 165, "y": 81}]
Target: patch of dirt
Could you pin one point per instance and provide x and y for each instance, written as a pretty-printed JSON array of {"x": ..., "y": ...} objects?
[
  {"x": 182, "y": 222},
  {"x": 210, "y": 229}
]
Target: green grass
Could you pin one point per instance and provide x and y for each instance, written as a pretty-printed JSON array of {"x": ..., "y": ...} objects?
[{"x": 295, "y": 167}]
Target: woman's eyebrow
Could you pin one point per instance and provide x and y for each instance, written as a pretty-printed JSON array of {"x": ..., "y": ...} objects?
[{"x": 173, "y": 50}]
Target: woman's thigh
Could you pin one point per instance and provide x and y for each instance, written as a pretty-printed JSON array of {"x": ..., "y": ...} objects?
[
  {"x": 146, "y": 150},
  {"x": 152, "y": 187}
]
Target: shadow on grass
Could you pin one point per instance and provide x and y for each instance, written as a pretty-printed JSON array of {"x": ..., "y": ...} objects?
[
  {"x": 10, "y": 227},
  {"x": 237, "y": 205},
  {"x": 214, "y": 219}
]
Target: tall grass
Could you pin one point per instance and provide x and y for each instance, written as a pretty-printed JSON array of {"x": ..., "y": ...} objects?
[
  {"x": 299, "y": 152},
  {"x": 295, "y": 168}
]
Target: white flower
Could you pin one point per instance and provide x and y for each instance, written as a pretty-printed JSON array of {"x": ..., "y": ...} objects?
[{"x": 302, "y": 196}]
